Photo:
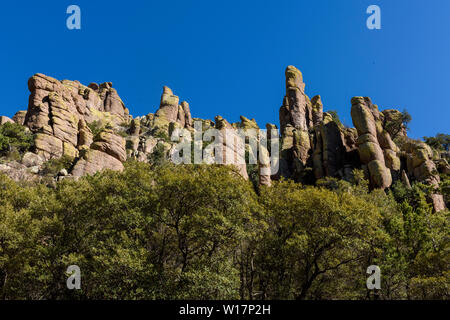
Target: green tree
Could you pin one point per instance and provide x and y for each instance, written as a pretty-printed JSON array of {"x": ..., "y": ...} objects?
[
  {"x": 439, "y": 142},
  {"x": 398, "y": 123},
  {"x": 15, "y": 137},
  {"x": 314, "y": 234}
]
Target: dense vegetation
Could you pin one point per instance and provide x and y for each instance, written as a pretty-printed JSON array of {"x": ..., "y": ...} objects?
[{"x": 202, "y": 232}]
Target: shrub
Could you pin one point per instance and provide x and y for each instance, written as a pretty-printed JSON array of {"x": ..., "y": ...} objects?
[
  {"x": 96, "y": 128},
  {"x": 336, "y": 118},
  {"x": 158, "y": 156},
  {"x": 53, "y": 166},
  {"x": 15, "y": 137},
  {"x": 440, "y": 142}
]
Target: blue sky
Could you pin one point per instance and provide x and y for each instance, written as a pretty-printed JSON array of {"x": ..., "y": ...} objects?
[{"x": 228, "y": 57}]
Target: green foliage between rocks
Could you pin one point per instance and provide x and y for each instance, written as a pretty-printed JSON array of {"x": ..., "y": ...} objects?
[
  {"x": 440, "y": 142},
  {"x": 14, "y": 138},
  {"x": 53, "y": 166}
]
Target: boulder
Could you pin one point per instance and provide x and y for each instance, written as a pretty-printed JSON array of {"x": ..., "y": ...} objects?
[
  {"x": 18, "y": 172},
  {"x": 94, "y": 161},
  {"x": 380, "y": 176},
  {"x": 4, "y": 119},
  {"x": 111, "y": 144},
  {"x": 438, "y": 202},
  {"x": 30, "y": 159}
]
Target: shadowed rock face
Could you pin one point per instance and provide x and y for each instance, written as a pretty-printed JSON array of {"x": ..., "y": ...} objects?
[{"x": 310, "y": 137}]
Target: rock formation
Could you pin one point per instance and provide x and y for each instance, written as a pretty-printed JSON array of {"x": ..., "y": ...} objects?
[
  {"x": 313, "y": 145},
  {"x": 376, "y": 150},
  {"x": 314, "y": 142},
  {"x": 233, "y": 147},
  {"x": 4, "y": 120},
  {"x": 91, "y": 125},
  {"x": 58, "y": 112},
  {"x": 19, "y": 117}
]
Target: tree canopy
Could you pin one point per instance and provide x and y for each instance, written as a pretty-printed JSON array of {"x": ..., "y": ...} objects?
[{"x": 202, "y": 232}]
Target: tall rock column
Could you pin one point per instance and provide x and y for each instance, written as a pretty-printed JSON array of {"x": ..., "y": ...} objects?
[
  {"x": 365, "y": 119},
  {"x": 296, "y": 109},
  {"x": 233, "y": 151},
  {"x": 264, "y": 157},
  {"x": 296, "y": 117},
  {"x": 317, "y": 110}
]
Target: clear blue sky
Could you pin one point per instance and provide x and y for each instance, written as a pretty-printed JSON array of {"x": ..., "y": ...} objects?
[{"x": 228, "y": 57}]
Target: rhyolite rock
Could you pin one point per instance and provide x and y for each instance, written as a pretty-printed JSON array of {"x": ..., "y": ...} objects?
[
  {"x": 170, "y": 114},
  {"x": 94, "y": 161},
  {"x": 19, "y": 172},
  {"x": 19, "y": 117},
  {"x": 233, "y": 146},
  {"x": 317, "y": 110},
  {"x": 313, "y": 144},
  {"x": 375, "y": 147},
  {"x": 56, "y": 108},
  {"x": 92, "y": 125},
  {"x": 30, "y": 159},
  {"x": 405, "y": 179},
  {"x": 264, "y": 159},
  {"x": 392, "y": 122},
  {"x": 111, "y": 144}
]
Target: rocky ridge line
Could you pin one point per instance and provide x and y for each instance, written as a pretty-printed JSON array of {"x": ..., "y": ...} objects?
[{"x": 91, "y": 125}]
